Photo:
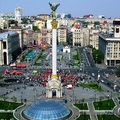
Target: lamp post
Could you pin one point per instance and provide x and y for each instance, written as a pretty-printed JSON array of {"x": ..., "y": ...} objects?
[
  {"x": 83, "y": 63},
  {"x": 21, "y": 96},
  {"x": 73, "y": 94},
  {"x": 34, "y": 89},
  {"x": 111, "y": 95},
  {"x": 96, "y": 57}
]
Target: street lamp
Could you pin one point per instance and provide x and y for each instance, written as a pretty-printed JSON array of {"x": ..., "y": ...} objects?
[
  {"x": 96, "y": 56},
  {"x": 73, "y": 94},
  {"x": 83, "y": 64},
  {"x": 21, "y": 96},
  {"x": 34, "y": 89},
  {"x": 111, "y": 95}
]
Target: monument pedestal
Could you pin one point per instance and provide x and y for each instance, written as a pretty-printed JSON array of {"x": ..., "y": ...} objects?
[{"x": 54, "y": 88}]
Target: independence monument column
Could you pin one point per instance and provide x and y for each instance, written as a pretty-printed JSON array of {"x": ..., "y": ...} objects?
[{"x": 54, "y": 86}]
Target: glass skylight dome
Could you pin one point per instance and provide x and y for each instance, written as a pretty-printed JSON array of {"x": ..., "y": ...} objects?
[{"x": 46, "y": 110}]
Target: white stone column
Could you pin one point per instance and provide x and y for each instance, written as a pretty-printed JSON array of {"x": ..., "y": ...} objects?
[{"x": 54, "y": 52}]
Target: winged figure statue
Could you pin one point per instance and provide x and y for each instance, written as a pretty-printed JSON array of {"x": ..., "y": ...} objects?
[{"x": 53, "y": 6}]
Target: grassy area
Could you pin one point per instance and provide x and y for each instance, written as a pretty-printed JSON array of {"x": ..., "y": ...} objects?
[
  {"x": 84, "y": 117},
  {"x": 4, "y": 105},
  {"x": 118, "y": 98},
  {"x": 1, "y": 77},
  {"x": 27, "y": 52},
  {"x": 104, "y": 105},
  {"x": 3, "y": 84},
  {"x": 82, "y": 106},
  {"x": 107, "y": 117},
  {"x": 6, "y": 116},
  {"x": 91, "y": 85}
]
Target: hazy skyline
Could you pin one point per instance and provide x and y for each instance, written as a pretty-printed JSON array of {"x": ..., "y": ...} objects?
[{"x": 77, "y": 8}]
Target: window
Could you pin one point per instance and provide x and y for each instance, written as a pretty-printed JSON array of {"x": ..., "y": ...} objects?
[
  {"x": 4, "y": 45},
  {"x": 117, "y": 30}
]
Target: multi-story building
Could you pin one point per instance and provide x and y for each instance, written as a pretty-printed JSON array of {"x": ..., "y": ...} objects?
[
  {"x": 109, "y": 45},
  {"x": 9, "y": 43},
  {"x": 37, "y": 37},
  {"x": 94, "y": 38},
  {"x": 80, "y": 35},
  {"x": 62, "y": 34},
  {"x": 42, "y": 36},
  {"x": 1, "y": 21},
  {"x": 18, "y": 14},
  {"x": 27, "y": 37},
  {"x": 43, "y": 16},
  {"x": 18, "y": 30}
]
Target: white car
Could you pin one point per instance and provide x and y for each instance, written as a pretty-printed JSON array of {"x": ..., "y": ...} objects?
[
  {"x": 102, "y": 80},
  {"x": 93, "y": 74}
]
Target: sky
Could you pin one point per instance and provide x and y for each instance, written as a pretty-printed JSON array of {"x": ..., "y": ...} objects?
[{"x": 77, "y": 8}]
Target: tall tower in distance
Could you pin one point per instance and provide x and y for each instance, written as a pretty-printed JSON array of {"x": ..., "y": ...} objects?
[
  {"x": 18, "y": 14},
  {"x": 54, "y": 85}
]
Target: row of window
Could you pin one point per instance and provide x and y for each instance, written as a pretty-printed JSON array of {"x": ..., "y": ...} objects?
[{"x": 115, "y": 55}]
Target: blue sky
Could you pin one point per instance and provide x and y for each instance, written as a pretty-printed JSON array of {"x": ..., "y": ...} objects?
[{"x": 78, "y": 8}]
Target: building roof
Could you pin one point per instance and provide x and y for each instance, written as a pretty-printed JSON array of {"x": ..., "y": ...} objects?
[
  {"x": 109, "y": 37},
  {"x": 46, "y": 110},
  {"x": 5, "y": 34}
]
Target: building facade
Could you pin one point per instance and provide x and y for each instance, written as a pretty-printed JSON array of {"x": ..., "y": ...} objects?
[
  {"x": 109, "y": 45},
  {"x": 20, "y": 32},
  {"x": 9, "y": 43},
  {"x": 94, "y": 38},
  {"x": 37, "y": 37},
  {"x": 62, "y": 34},
  {"x": 80, "y": 35}
]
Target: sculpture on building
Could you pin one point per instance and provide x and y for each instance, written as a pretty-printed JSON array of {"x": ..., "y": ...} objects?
[{"x": 53, "y": 7}]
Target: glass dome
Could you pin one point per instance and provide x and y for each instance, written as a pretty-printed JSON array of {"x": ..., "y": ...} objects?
[{"x": 46, "y": 110}]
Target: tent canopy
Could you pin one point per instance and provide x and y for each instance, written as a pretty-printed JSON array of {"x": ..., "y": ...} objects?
[{"x": 34, "y": 71}]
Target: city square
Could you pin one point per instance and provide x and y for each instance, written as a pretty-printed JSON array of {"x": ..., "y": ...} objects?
[{"x": 51, "y": 70}]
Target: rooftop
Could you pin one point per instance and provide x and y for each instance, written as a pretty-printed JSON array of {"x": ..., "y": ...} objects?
[
  {"x": 109, "y": 36},
  {"x": 46, "y": 110},
  {"x": 5, "y": 34}
]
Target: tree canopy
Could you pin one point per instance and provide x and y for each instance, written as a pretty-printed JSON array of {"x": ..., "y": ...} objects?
[
  {"x": 35, "y": 28},
  {"x": 97, "y": 55}
]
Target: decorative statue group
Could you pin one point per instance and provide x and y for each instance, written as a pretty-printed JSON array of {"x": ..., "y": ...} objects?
[{"x": 53, "y": 7}]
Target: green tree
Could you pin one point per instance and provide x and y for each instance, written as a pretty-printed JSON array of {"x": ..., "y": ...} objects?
[
  {"x": 118, "y": 71},
  {"x": 5, "y": 98},
  {"x": 96, "y": 23},
  {"x": 35, "y": 28},
  {"x": 97, "y": 55},
  {"x": 25, "y": 20}
]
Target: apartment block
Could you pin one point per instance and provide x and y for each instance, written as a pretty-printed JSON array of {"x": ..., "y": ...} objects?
[
  {"x": 62, "y": 34},
  {"x": 109, "y": 45}
]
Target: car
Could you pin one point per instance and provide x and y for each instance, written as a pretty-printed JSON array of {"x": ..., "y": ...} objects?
[
  {"x": 108, "y": 84},
  {"x": 93, "y": 74},
  {"x": 102, "y": 80}
]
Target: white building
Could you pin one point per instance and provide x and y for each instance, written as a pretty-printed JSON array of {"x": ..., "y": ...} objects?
[
  {"x": 62, "y": 34},
  {"x": 66, "y": 49},
  {"x": 1, "y": 21},
  {"x": 94, "y": 38},
  {"x": 18, "y": 14},
  {"x": 80, "y": 35}
]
